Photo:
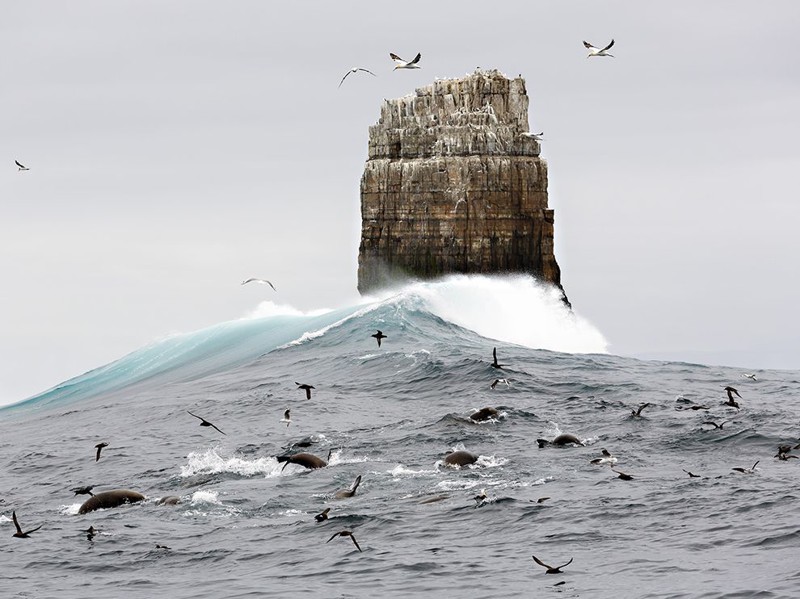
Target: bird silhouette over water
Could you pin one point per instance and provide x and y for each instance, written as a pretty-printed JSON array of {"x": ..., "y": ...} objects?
[
  {"x": 99, "y": 448},
  {"x": 495, "y": 364},
  {"x": 498, "y": 381},
  {"x": 732, "y": 402},
  {"x": 323, "y": 515},
  {"x": 379, "y": 335},
  {"x": 287, "y": 417},
  {"x": 203, "y": 421},
  {"x": 622, "y": 475},
  {"x": 638, "y": 412},
  {"x": 691, "y": 474},
  {"x": 83, "y": 490},
  {"x": 90, "y": 533},
  {"x": 345, "y": 533},
  {"x": 19, "y": 534},
  {"x": 715, "y": 425},
  {"x": 551, "y": 569},
  {"x": 746, "y": 470},
  {"x": 306, "y": 388}
]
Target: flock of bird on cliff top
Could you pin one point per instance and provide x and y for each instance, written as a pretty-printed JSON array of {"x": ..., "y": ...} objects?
[{"x": 456, "y": 459}]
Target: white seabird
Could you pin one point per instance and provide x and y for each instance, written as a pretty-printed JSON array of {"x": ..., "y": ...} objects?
[
  {"x": 597, "y": 51},
  {"x": 402, "y": 64},
  {"x": 262, "y": 281},
  {"x": 355, "y": 70}
]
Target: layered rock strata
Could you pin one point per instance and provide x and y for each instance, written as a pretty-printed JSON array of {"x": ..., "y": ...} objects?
[{"x": 454, "y": 184}]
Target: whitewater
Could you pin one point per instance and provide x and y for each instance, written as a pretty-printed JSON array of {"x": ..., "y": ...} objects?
[{"x": 245, "y": 527}]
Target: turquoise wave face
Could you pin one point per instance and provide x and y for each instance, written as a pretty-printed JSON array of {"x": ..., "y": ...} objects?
[{"x": 456, "y": 310}]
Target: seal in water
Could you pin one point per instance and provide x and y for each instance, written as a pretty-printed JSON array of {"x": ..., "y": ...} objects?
[
  {"x": 345, "y": 533},
  {"x": 108, "y": 499},
  {"x": 19, "y": 534},
  {"x": 484, "y": 414},
  {"x": 306, "y": 460},
  {"x": 563, "y": 439},
  {"x": 344, "y": 493},
  {"x": 169, "y": 500},
  {"x": 551, "y": 569},
  {"x": 460, "y": 458}
]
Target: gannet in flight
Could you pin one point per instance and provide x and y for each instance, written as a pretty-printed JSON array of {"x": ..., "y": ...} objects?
[
  {"x": 355, "y": 70},
  {"x": 597, "y": 51},
  {"x": 534, "y": 136},
  {"x": 402, "y": 64},
  {"x": 262, "y": 281}
]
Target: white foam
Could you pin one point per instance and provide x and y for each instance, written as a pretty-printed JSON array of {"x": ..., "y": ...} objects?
[
  {"x": 70, "y": 510},
  {"x": 401, "y": 470},
  {"x": 210, "y": 462},
  {"x": 205, "y": 497},
  {"x": 267, "y": 309},
  {"x": 513, "y": 308}
]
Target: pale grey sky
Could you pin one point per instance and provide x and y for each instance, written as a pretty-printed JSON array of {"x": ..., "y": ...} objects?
[{"x": 177, "y": 148}]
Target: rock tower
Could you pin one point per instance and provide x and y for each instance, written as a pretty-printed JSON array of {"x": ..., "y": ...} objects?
[{"x": 454, "y": 184}]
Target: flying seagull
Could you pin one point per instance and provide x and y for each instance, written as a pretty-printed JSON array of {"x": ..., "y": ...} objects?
[
  {"x": 261, "y": 281},
  {"x": 345, "y": 533},
  {"x": 606, "y": 459},
  {"x": 99, "y": 447},
  {"x": 287, "y": 418},
  {"x": 598, "y": 52},
  {"x": 22, "y": 167},
  {"x": 751, "y": 376},
  {"x": 306, "y": 388},
  {"x": 551, "y": 569},
  {"x": 747, "y": 470},
  {"x": 19, "y": 534},
  {"x": 402, "y": 64},
  {"x": 203, "y": 421},
  {"x": 379, "y": 335},
  {"x": 355, "y": 70}
]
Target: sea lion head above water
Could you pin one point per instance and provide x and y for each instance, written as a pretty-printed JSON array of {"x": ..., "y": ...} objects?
[
  {"x": 460, "y": 458},
  {"x": 306, "y": 460},
  {"x": 563, "y": 439},
  {"x": 484, "y": 414}
]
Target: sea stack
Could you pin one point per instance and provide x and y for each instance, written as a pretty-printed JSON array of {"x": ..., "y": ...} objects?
[{"x": 453, "y": 184}]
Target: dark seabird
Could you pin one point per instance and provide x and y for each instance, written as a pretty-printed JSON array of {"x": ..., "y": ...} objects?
[
  {"x": 345, "y": 533},
  {"x": 481, "y": 497},
  {"x": 784, "y": 449},
  {"x": 606, "y": 459},
  {"x": 21, "y": 167},
  {"x": 344, "y": 493},
  {"x": 19, "y": 534},
  {"x": 203, "y": 421},
  {"x": 732, "y": 402},
  {"x": 323, "y": 515},
  {"x": 786, "y": 457},
  {"x": 551, "y": 569},
  {"x": 84, "y": 490},
  {"x": 497, "y": 382},
  {"x": 287, "y": 417},
  {"x": 747, "y": 470},
  {"x": 261, "y": 281},
  {"x": 379, "y": 335},
  {"x": 715, "y": 425},
  {"x": 639, "y": 411},
  {"x": 494, "y": 360},
  {"x": 306, "y": 388},
  {"x": 691, "y": 475},
  {"x": 162, "y": 547},
  {"x": 90, "y": 533},
  {"x": 622, "y": 475},
  {"x": 484, "y": 414},
  {"x": 99, "y": 447},
  {"x": 542, "y": 499}
]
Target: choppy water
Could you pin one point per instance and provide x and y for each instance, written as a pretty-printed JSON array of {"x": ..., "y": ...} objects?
[{"x": 245, "y": 528}]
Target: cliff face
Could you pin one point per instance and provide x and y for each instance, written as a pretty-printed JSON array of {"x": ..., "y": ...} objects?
[{"x": 453, "y": 185}]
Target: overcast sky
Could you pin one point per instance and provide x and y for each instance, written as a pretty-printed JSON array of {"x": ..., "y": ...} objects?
[{"x": 177, "y": 148}]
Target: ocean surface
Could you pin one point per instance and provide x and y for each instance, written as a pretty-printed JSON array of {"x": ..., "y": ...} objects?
[{"x": 245, "y": 527}]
